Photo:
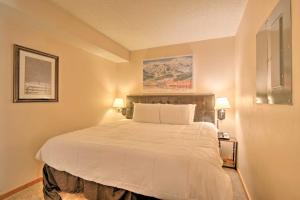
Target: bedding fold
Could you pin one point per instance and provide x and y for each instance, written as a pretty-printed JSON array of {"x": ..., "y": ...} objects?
[{"x": 176, "y": 162}]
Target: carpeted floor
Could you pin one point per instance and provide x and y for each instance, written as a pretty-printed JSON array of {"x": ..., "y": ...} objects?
[
  {"x": 238, "y": 190},
  {"x": 35, "y": 192}
]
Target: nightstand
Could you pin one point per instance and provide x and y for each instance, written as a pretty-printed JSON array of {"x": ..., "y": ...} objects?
[{"x": 228, "y": 152}]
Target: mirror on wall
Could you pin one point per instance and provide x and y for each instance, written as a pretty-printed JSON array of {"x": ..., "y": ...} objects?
[{"x": 274, "y": 57}]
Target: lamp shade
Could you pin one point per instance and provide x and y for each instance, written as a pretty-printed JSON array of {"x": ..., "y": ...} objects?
[
  {"x": 118, "y": 103},
  {"x": 222, "y": 103}
]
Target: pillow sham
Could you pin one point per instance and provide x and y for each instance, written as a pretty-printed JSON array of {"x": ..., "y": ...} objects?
[
  {"x": 148, "y": 113},
  {"x": 177, "y": 114}
]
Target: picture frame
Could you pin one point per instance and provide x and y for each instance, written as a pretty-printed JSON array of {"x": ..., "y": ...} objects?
[
  {"x": 35, "y": 76},
  {"x": 173, "y": 74}
]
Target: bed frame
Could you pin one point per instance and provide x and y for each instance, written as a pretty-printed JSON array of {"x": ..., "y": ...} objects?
[
  {"x": 56, "y": 181},
  {"x": 204, "y": 104}
]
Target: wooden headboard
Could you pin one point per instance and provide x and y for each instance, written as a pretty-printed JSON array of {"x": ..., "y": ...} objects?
[{"x": 204, "y": 104}]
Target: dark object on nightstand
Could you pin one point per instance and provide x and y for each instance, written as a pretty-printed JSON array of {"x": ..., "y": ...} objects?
[
  {"x": 223, "y": 136},
  {"x": 230, "y": 157},
  {"x": 124, "y": 110}
]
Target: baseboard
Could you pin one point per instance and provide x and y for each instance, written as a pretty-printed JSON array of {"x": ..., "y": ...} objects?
[
  {"x": 244, "y": 185},
  {"x": 19, "y": 189}
]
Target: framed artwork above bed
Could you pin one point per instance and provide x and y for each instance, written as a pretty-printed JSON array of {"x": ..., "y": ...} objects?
[
  {"x": 35, "y": 76},
  {"x": 171, "y": 74}
]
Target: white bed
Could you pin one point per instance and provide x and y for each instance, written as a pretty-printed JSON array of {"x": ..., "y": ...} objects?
[{"x": 175, "y": 162}]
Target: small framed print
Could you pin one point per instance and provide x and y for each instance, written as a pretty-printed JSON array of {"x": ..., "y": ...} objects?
[{"x": 35, "y": 76}]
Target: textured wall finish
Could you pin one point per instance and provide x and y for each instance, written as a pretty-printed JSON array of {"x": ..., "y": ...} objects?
[
  {"x": 87, "y": 89},
  {"x": 268, "y": 134},
  {"x": 53, "y": 20}
]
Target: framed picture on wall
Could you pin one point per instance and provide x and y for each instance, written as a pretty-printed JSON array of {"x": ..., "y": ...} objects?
[
  {"x": 172, "y": 74},
  {"x": 35, "y": 76}
]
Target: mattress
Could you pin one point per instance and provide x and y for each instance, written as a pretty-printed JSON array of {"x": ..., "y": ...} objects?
[{"x": 176, "y": 162}]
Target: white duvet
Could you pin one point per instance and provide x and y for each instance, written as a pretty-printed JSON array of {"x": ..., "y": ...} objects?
[{"x": 174, "y": 162}]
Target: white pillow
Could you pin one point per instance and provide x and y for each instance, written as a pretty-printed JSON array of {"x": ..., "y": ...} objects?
[
  {"x": 177, "y": 114},
  {"x": 146, "y": 113}
]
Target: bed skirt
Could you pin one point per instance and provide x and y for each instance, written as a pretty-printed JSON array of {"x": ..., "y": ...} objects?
[{"x": 55, "y": 181}]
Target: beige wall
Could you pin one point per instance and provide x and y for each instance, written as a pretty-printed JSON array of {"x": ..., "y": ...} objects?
[
  {"x": 47, "y": 16},
  {"x": 86, "y": 91},
  {"x": 268, "y": 134},
  {"x": 214, "y": 70}
]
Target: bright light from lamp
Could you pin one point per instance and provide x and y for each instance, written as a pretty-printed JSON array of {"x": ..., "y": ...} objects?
[
  {"x": 118, "y": 103},
  {"x": 222, "y": 103}
]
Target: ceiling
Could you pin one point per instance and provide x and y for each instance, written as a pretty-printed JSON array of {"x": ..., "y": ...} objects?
[{"x": 141, "y": 24}]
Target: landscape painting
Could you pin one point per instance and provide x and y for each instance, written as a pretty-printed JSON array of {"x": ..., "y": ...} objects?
[{"x": 174, "y": 73}]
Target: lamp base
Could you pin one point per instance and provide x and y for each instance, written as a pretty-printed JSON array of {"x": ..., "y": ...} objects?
[{"x": 221, "y": 114}]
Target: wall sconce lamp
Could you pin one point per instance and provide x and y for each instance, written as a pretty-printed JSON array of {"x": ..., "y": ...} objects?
[
  {"x": 222, "y": 103},
  {"x": 118, "y": 104}
]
